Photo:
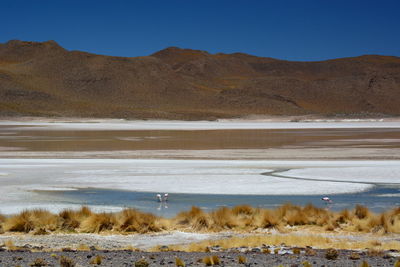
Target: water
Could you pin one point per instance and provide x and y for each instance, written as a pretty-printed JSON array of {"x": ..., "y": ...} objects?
[{"x": 377, "y": 199}]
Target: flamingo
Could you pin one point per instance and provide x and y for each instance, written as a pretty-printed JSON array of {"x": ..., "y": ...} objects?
[{"x": 327, "y": 200}]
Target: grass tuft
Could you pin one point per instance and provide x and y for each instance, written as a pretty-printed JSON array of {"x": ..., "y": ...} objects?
[
  {"x": 216, "y": 260},
  {"x": 242, "y": 259},
  {"x": 296, "y": 251},
  {"x": 208, "y": 261},
  {"x": 141, "y": 263},
  {"x": 97, "y": 223},
  {"x": 39, "y": 262},
  {"x": 66, "y": 262},
  {"x": 179, "y": 262},
  {"x": 354, "y": 256},
  {"x": 364, "y": 264},
  {"x": 96, "y": 260},
  {"x": 331, "y": 254},
  {"x": 10, "y": 245}
]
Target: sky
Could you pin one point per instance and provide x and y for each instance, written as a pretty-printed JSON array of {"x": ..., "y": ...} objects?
[{"x": 303, "y": 30}]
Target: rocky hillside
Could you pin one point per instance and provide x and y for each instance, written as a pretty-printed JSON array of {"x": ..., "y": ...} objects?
[{"x": 44, "y": 79}]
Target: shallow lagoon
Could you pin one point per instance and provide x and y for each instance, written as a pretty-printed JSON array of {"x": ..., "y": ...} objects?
[{"x": 377, "y": 199}]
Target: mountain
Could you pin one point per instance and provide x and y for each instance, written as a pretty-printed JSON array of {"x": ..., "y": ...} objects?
[{"x": 44, "y": 79}]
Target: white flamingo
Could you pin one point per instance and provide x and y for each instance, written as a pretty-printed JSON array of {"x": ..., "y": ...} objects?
[
  {"x": 327, "y": 200},
  {"x": 165, "y": 197}
]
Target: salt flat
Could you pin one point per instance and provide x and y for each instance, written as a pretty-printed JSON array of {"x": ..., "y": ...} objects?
[
  {"x": 194, "y": 125},
  {"x": 242, "y": 177}
]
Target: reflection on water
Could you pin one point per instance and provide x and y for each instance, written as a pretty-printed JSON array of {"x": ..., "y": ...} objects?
[{"x": 375, "y": 199}]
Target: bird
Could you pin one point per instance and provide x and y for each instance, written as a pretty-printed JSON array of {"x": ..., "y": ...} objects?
[
  {"x": 159, "y": 199},
  {"x": 165, "y": 197},
  {"x": 327, "y": 200}
]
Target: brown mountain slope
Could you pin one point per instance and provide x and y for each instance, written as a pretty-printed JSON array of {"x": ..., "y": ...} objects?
[{"x": 44, "y": 79}]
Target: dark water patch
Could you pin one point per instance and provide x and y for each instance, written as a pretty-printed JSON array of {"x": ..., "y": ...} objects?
[{"x": 378, "y": 199}]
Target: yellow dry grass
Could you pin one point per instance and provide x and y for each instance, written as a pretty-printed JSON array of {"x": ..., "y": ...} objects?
[
  {"x": 293, "y": 240},
  {"x": 285, "y": 218}
]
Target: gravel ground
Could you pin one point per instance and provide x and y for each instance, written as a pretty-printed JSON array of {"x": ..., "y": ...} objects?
[
  {"x": 111, "y": 242},
  {"x": 128, "y": 258}
]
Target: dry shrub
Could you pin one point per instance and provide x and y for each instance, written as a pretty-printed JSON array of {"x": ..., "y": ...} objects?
[
  {"x": 364, "y": 264},
  {"x": 306, "y": 264},
  {"x": 242, "y": 210},
  {"x": 19, "y": 223},
  {"x": 99, "y": 222},
  {"x": 83, "y": 247},
  {"x": 296, "y": 251},
  {"x": 361, "y": 212},
  {"x": 375, "y": 253},
  {"x": 66, "y": 262},
  {"x": 223, "y": 219},
  {"x": 201, "y": 223},
  {"x": 310, "y": 252},
  {"x": 266, "y": 251},
  {"x": 96, "y": 260},
  {"x": 343, "y": 217},
  {"x": 329, "y": 227},
  {"x": 216, "y": 260},
  {"x": 10, "y": 245},
  {"x": 397, "y": 263},
  {"x": 27, "y": 221},
  {"x": 38, "y": 262},
  {"x": 391, "y": 221},
  {"x": 354, "y": 256},
  {"x": 185, "y": 217},
  {"x": 195, "y": 218},
  {"x": 331, "y": 254},
  {"x": 269, "y": 219},
  {"x": 71, "y": 219},
  {"x": 292, "y": 215},
  {"x": 242, "y": 259},
  {"x": 179, "y": 262},
  {"x": 315, "y": 215},
  {"x": 141, "y": 263},
  {"x": 131, "y": 220},
  {"x": 208, "y": 261},
  {"x": 308, "y": 215}
]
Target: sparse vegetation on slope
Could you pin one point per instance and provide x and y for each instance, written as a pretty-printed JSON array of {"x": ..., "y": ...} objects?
[{"x": 43, "y": 79}]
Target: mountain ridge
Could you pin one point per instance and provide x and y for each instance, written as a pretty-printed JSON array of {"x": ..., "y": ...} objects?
[{"x": 44, "y": 79}]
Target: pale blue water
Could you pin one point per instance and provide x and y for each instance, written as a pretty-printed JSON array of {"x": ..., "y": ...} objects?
[{"x": 373, "y": 199}]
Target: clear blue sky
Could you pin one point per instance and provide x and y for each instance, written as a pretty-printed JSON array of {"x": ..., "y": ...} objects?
[{"x": 293, "y": 30}]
